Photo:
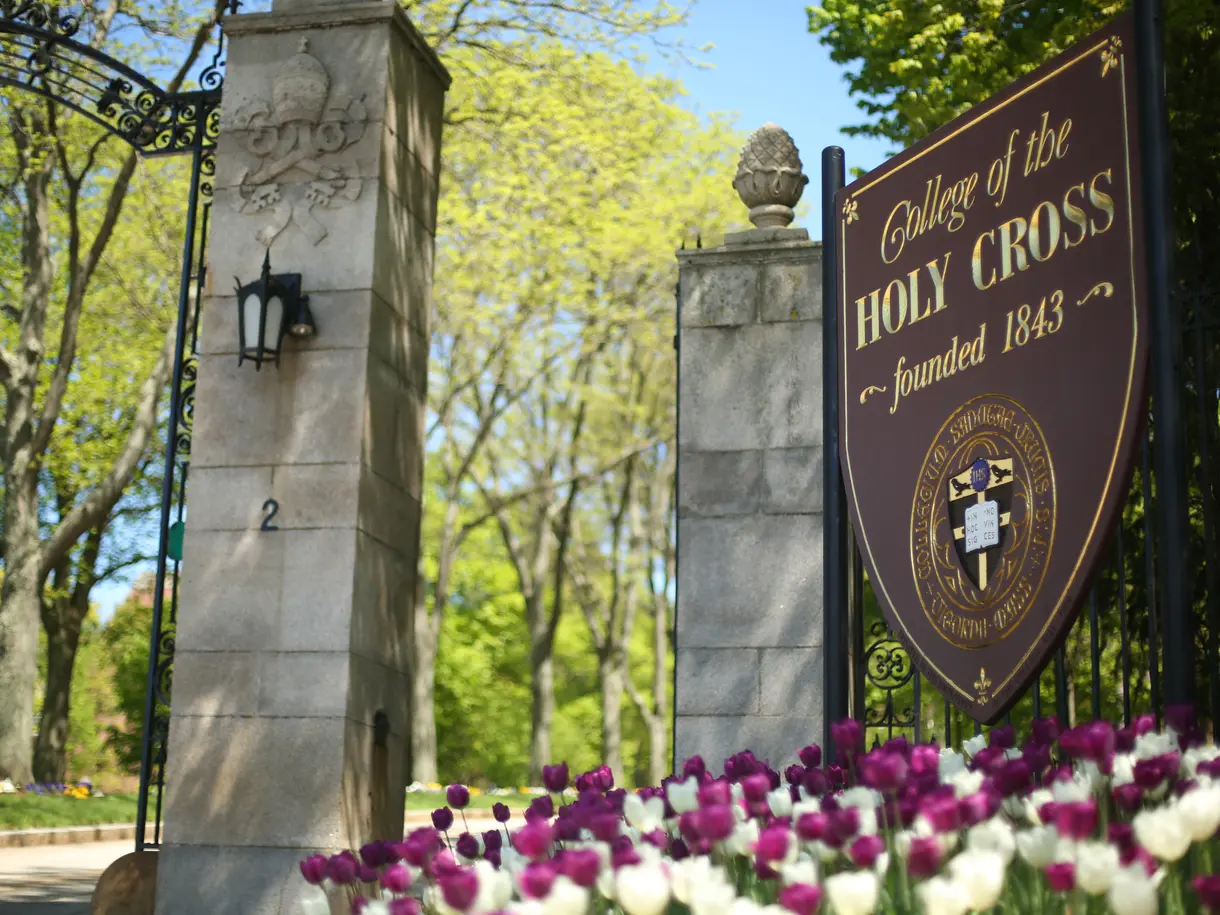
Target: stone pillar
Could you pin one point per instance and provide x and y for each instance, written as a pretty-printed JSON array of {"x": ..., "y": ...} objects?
[
  {"x": 749, "y": 615},
  {"x": 291, "y": 679}
]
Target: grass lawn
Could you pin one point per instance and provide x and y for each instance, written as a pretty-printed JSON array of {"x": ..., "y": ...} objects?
[
  {"x": 430, "y": 800},
  {"x": 33, "y": 811}
]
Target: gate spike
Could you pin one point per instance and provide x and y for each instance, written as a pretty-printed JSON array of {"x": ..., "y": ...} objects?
[{"x": 699, "y": 240}]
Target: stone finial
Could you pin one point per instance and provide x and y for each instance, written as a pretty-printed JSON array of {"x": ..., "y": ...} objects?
[
  {"x": 301, "y": 88},
  {"x": 769, "y": 177}
]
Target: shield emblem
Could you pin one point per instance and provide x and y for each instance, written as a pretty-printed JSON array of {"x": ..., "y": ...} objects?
[
  {"x": 992, "y": 347},
  {"x": 980, "y": 514}
]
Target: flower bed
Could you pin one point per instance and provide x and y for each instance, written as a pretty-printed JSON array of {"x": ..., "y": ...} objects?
[
  {"x": 1090, "y": 820},
  {"x": 52, "y": 806}
]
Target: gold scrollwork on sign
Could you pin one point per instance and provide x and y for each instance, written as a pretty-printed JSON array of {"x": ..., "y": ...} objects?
[
  {"x": 869, "y": 392},
  {"x": 851, "y": 210},
  {"x": 1111, "y": 54},
  {"x": 1103, "y": 289},
  {"x": 983, "y": 685}
]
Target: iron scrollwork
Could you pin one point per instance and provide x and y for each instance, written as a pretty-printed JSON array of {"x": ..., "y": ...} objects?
[{"x": 887, "y": 667}]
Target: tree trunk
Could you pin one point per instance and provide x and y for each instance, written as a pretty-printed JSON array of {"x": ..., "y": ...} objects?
[
  {"x": 423, "y": 691},
  {"x": 63, "y": 637},
  {"x": 611, "y": 675},
  {"x": 658, "y": 722},
  {"x": 19, "y": 635},
  {"x": 542, "y": 714}
]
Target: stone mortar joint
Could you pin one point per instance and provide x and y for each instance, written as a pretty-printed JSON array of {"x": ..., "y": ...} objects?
[{"x": 769, "y": 178}]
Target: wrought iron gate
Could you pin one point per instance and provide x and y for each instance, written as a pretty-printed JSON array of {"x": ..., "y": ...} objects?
[
  {"x": 1149, "y": 633},
  {"x": 40, "y": 53}
]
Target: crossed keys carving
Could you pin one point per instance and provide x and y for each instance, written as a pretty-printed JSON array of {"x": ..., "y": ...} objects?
[{"x": 303, "y": 130}]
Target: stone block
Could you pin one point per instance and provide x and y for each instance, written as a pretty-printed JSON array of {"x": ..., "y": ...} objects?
[
  {"x": 316, "y": 495},
  {"x": 719, "y": 681},
  {"x": 792, "y": 481},
  {"x": 403, "y": 258},
  {"x": 207, "y": 880},
  {"x": 751, "y": 387},
  {"x": 236, "y": 413},
  {"x": 230, "y": 590},
  {"x": 792, "y": 290},
  {"x": 716, "y": 737},
  {"x": 383, "y": 603},
  {"x": 793, "y": 681},
  {"x": 408, "y": 179},
  {"x": 228, "y": 498},
  {"x": 716, "y": 483},
  {"x": 214, "y": 683},
  {"x": 373, "y": 777},
  {"x": 393, "y": 446},
  {"x": 401, "y": 343},
  {"x": 753, "y": 582},
  {"x": 388, "y": 512},
  {"x": 322, "y": 407},
  {"x": 303, "y": 684},
  {"x": 317, "y": 587},
  {"x": 416, "y": 96},
  {"x": 720, "y": 295},
  {"x": 751, "y": 239},
  {"x": 374, "y": 687},
  {"x": 255, "y": 781}
]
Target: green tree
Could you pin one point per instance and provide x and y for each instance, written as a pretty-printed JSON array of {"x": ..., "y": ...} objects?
[{"x": 63, "y": 188}]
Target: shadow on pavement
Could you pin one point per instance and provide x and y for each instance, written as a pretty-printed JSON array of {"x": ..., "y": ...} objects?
[{"x": 36, "y": 894}]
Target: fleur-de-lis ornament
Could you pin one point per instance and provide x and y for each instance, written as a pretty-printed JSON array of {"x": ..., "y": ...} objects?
[
  {"x": 1110, "y": 55},
  {"x": 982, "y": 684},
  {"x": 851, "y": 210}
]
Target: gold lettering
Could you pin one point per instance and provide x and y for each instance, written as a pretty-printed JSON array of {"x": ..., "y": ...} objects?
[
  {"x": 976, "y": 262},
  {"x": 1102, "y": 201},
  {"x": 1052, "y": 231},
  {"x": 873, "y": 298},
  {"x": 1010, "y": 246},
  {"x": 1075, "y": 215},
  {"x": 887, "y": 317},
  {"x": 898, "y": 236}
]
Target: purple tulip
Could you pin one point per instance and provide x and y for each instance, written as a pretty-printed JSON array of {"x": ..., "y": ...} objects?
[
  {"x": 755, "y": 787},
  {"x": 1004, "y": 737},
  {"x": 602, "y": 778},
  {"x": 801, "y": 898},
  {"x": 501, "y": 813},
  {"x": 555, "y": 778},
  {"x": 313, "y": 869},
  {"x": 1046, "y": 731},
  {"x": 493, "y": 840},
  {"x": 540, "y": 809},
  {"x": 1013, "y": 777},
  {"x": 536, "y": 879},
  {"x": 343, "y": 868},
  {"x": 1151, "y": 773},
  {"x": 794, "y": 775},
  {"x": 1129, "y": 797},
  {"x": 359, "y": 904},
  {"x": 811, "y": 827},
  {"x": 815, "y": 782},
  {"x": 444, "y": 864},
  {"x": 943, "y": 813},
  {"x": 368, "y": 874},
  {"x": 810, "y": 756},
  {"x": 1143, "y": 724},
  {"x": 605, "y": 827},
  {"x": 695, "y": 766},
  {"x": 772, "y": 844},
  {"x": 404, "y": 906},
  {"x": 467, "y": 846},
  {"x": 844, "y": 824},
  {"x": 533, "y": 840},
  {"x": 883, "y": 771},
  {"x": 1061, "y": 876},
  {"x": 1124, "y": 740},
  {"x": 396, "y": 878},
  {"x": 924, "y": 760},
  {"x": 459, "y": 890},
  {"x": 923, "y": 859},
  {"x": 581, "y": 866},
  {"x": 373, "y": 854},
  {"x": 679, "y": 850},
  {"x": 866, "y": 850},
  {"x": 714, "y": 822},
  {"x": 442, "y": 818},
  {"x": 1208, "y": 891},
  {"x": 835, "y": 775},
  {"x": 715, "y": 794},
  {"x": 493, "y": 857},
  {"x": 1078, "y": 820},
  {"x": 458, "y": 796},
  {"x": 1121, "y": 835},
  {"x": 624, "y": 857}
]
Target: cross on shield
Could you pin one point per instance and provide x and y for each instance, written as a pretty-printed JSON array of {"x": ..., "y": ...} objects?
[{"x": 980, "y": 513}]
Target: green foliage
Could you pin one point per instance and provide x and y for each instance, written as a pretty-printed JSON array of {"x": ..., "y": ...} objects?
[{"x": 126, "y": 638}]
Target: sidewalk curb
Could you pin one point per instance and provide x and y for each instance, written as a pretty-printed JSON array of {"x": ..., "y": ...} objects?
[{"x": 67, "y": 835}]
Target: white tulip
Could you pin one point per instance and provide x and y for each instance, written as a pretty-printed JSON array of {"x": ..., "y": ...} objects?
[
  {"x": 743, "y": 839},
  {"x": 950, "y": 763},
  {"x": 689, "y": 873},
  {"x": 376, "y": 907},
  {"x": 1132, "y": 893},
  {"x": 495, "y": 888},
  {"x": 1096, "y": 865},
  {"x": 314, "y": 901},
  {"x": 966, "y": 783},
  {"x": 1037, "y": 846},
  {"x": 644, "y": 815},
  {"x": 1122, "y": 771},
  {"x": 524, "y": 907},
  {"x": 1037, "y": 799},
  {"x": 941, "y": 896},
  {"x": 712, "y": 898},
  {"x": 807, "y": 805},
  {"x": 512, "y": 860},
  {"x": 1151, "y": 744},
  {"x": 1075, "y": 791},
  {"x": 565, "y": 898},
  {"x": 1162, "y": 832},
  {"x": 1195, "y": 755},
  {"x": 980, "y": 874},
  {"x": 744, "y": 906},
  {"x": 684, "y": 796},
  {"x": 737, "y": 793},
  {"x": 642, "y": 889},
  {"x": 803, "y": 870},
  {"x": 993, "y": 835},
  {"x": 780, "y": 801},
  {"x": 976, "y": 743},
  {"x": 852, "y": 892},
  {"x": 1200, "y": 810}
]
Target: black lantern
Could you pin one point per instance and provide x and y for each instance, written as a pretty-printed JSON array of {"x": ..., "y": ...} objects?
[{"x": 267, "y": 309}]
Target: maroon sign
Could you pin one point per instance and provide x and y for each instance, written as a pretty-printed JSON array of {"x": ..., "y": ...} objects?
[{"x": 993, "y": 354}]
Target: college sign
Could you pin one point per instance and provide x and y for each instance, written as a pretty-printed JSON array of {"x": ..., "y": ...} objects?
[{"x": 992, "y": 354}]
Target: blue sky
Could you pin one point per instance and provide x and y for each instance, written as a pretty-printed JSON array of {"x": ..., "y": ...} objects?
[{"x": 764, "y": 66}]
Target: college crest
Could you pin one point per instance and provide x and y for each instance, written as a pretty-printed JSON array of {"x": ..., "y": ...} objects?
[{"x": 992, "y": 344}]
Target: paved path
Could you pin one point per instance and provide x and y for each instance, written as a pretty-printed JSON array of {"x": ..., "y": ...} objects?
[{"x": 54, "y": 879}]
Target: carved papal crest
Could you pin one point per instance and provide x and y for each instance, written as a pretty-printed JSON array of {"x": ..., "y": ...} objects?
[{"x": 303, "y": 129}]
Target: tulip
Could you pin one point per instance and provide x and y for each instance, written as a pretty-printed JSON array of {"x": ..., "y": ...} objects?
[
  {"x": 1132, "y": 893},
  {"x": 566, "y": 898},
  {"x": 923, "y": 857},
  {"x": 993, "y": 835},
  {"x": 468, "y": 846},
  {"x": 1200, "y": 811},
  {"x": 773, "y": 844},
  {"x": 343, "y": 868},
  {"x": 1037, "y": 846},
  {"x": 540, "y": 808},
  {"x": 396, "y": 878},
  {"x": 715, "y": 793},
  {"x": 405, "y": 906},
  {"x": 642, "y": 889},
  {"x": 1208, "y": 891},
  {"x": 779, "y": 802},
  {"x": 442, "y": 818},
  {"x": 1076, "y": 821},
  {"x": 1163, "y": 833},
  {"x": 458, "y": 797},
  {"x": 459, "y": 890},
  {"x": 1096, "y": 864},
  {"x": 313, "y": 869},
  {"x": 683, "y": 796},
  {"x": 1061, "y": 876},
  {"x": 941, "y": 896},
  {"x": 644, "y": 815},
  {"x": 810, "y": 756},
  {"x": 493, "y": 840},
  {"x": 535, "y": 881},
  {"x": 981, "y": 875},
  {"x": 501, "y": 813},
  {"x": 555, "y": 778},
  {"x": 715, "y": 822},
  {"x": 1128, "y": 798},
  {"x": 852, "y": 892},
  {"x": 581, "y": 866},
  {"x": 533, "y": 841},
  {"x": 812, "y": 826},
  {"x": 801, "y": 898},
  {"x": 865, "y": 850}
]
